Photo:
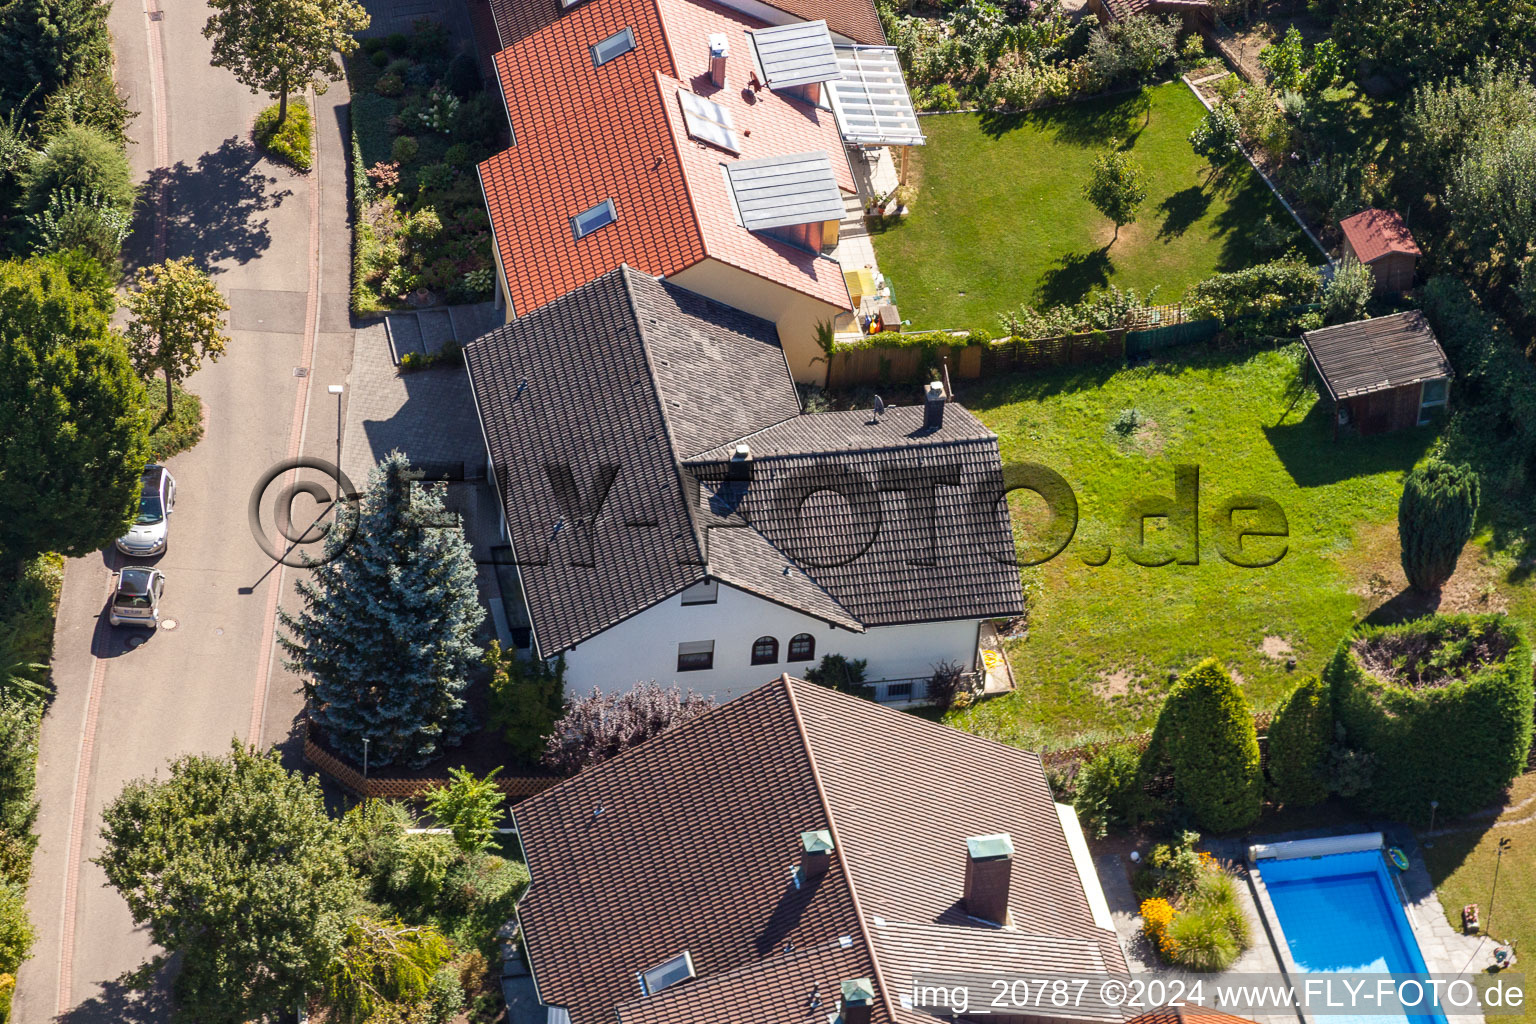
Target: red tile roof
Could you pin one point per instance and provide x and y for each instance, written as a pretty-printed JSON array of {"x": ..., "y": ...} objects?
[
  {"x": 1374, "y": 233},
  {"x": 585, "y": 134},
  {"x": 856, "y": 19},
  {"x": 699, "y": 829}
]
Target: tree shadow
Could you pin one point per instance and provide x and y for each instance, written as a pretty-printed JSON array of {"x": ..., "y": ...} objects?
[
  {"x": 1181, "y": 210},
  {"x": 138, "y": 997},
  {"x": 212, "y": 209},
  {"x": 1094, "y": 123},
  {"x": 1073, "y": 276},
  {"x": 1312, "y": 457}
]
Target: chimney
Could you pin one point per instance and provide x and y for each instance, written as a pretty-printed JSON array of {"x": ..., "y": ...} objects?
[
  {"x": 719, "y": 50},
  {"x": 815, "y": 854},
  {"x": 858, "y": 1001},
  {"x": 740, "y": 467},
  {"x": 988, "y": 877},
  {"x": 933, "y": 406}
]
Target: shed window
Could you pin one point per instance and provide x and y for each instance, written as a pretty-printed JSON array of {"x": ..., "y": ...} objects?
[
  {"x": 696, "y": 656},
  {"x": 706, "y": 592},
  {"x": 765, "y": 651},
  {"x": 802, "y": 647},
  {"x": 1432, "y": 396},
  {"x": 588, "y": 221},
  {"x": 616, "y": 45}
]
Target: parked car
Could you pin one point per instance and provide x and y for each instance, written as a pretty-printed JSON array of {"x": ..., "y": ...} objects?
[
  {"x": 157, "y": 500},
  {"x": 136, "y": 597}
]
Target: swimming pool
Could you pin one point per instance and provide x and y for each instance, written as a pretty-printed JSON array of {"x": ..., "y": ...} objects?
[{"x": 1339, "y": 914}]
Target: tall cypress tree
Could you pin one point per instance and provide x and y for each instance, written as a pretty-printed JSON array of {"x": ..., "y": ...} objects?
[
  {"x": 387, "y": 630},
  {"x": 1434, "y": 521}
]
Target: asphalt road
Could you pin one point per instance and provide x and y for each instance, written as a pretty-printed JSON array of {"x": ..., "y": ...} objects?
[{"x": 129, "y": 700}]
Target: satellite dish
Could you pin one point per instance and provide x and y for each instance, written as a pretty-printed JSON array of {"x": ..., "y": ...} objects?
[{"x": 879, "y": 406}]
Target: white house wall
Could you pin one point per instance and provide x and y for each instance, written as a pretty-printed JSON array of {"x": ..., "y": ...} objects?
[{"x": 644, "y": 646}]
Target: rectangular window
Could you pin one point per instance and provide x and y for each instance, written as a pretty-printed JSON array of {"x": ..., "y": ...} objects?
[
  {"x": 588, "y": 221},
  {"x": 708, "y": 122},
  {"x": 696, "y": 656},
  {"x": 616, "y": 45},
  {"x": 1432, "y": 395},
  {"x": 707, "y": 592},
  {"x": 665, "y": 975},
  {"x": 898, "y": 691}
]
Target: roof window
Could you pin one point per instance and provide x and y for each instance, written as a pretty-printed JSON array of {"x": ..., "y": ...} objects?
[
  {"x": 615, "y": 46},
  {"x": 588, "y": 221},
  {"x": 708, "y": 122},
  {"x": 668, "y": 973}
]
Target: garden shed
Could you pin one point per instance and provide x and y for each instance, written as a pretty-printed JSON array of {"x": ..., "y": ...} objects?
[
  {"x": 1383, "y": 374},
  {"x": 1380, "y": 240}
]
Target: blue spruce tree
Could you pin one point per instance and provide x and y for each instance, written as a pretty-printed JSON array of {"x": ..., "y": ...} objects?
[{"x": 388, "y": 626}]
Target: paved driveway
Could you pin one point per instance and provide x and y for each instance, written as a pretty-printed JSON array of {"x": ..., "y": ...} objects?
[{"x": 130, "y": 701}]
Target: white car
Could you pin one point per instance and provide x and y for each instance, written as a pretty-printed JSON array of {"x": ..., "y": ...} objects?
[
  {"x": 157, "y": 500},
  {"x": 136, "y": 597}
]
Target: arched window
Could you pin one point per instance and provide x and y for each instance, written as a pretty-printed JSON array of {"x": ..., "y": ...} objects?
[
  {"x": 802, "y": 647},
  {"x": 765, "y": 651}
]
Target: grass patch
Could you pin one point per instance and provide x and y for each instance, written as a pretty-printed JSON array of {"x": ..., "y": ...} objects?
[
  {"x": 1000, "y": 219},
  {"x": 184, "y": 428},
  {"x": 291, "y": 141},
  {"x": 1102, "y": 640},
  {"x": 1461, "y": 866}
]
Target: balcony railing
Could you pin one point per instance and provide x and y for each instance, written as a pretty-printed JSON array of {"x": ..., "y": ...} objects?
[{"x": 914, "y": 690}]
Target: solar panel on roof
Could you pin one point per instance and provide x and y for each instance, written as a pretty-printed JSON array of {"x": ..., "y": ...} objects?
[
  {"x": 795, "y": 54},
  {"x": 782, "y": 191},
  {"x": 708, "y": 121}
]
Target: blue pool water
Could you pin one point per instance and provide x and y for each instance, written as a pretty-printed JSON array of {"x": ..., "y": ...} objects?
[{"x": 1341, "y": 914}]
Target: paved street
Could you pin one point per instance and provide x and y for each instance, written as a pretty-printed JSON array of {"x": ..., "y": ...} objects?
[{"x": 277, "y": 243}]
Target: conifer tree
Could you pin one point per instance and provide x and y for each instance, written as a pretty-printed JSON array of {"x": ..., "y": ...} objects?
[
  {"x": 388, "y": 626},
  {"x": 1434, "y": 521}
]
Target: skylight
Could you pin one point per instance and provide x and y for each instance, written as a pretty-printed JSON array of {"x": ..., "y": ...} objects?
[
  {"x": 588, "y": 221},
  {"x": 708, "y": 122},
  {"x": 616, "y": 45},
  {"x": 668, "y": 973}
]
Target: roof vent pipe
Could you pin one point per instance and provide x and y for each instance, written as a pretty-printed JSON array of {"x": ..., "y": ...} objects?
[
  {"x": 933, "y": 406},
  {"x": 719, "y": 50}
]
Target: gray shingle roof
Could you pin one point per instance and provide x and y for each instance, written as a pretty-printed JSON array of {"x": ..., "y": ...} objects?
[
  {"x": 782, "y": 191},
  {"x": 1377, "y": 355},
  {"x": 648, "y": 385},
  {"x": 795, "y": 54}
]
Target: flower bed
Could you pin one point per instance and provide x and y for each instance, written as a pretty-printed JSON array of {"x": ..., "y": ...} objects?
[
  {"x": 420, "y": 124},
  {"x": 1191, "y": 915}
]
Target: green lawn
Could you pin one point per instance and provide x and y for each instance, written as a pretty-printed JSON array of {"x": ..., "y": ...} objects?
[
  {"x": 1000, "y": 219},
  {"x": 1102, "y": 640}
]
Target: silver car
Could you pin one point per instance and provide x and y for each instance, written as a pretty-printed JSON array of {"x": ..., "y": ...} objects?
[
  {"x": 157, "y": 500},
  {"x": 136, "y": 597}
]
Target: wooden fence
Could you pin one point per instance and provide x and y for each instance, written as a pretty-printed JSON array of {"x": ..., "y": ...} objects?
[{"x": 388, "y": 786}]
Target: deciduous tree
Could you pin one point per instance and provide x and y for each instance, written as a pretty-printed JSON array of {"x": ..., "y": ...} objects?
[
  {"x": 277, "y": 46},
  {"x": 178, "y": 321},
  {"x": 235, "y": 866},
  {"x": 527, "y": 696},
  {"x": 1116, "y": 187},
  {"x": 387, "y": 631},
  {"x": 71, "y": 410},
  {"x": 469, "y": 808},
  {"x": 1434, "y": 521},
  {"x": 602, "y": 725},
  {"x": 385, "y": 971}
]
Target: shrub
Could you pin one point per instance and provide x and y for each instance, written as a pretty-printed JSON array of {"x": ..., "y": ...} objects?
[
  {"x": 83, "y": 159},
  {"x": 1217, "y": 135},
  {"x": 1345, "y": 296},
  {"x": 840, "y": 673},
  {"x": 463, "y": 76},
  {"x": 1156, "y": 916},
  {"x": 1261, "y": 290},
  {"x": 469, "y": 808},
  {"x": 1208, "y": 934},
  {"x": 76, "y": 219},
  {"x": 16, "y": 934},
  {"x": 290, "y": 141},
  {"x": 946, "y": 685},
  {"x": 89, "y": 100},
  {"x": 1299, "y": 740},
  {"x": 1175, "y": 866},
  {"x": 1108, "y": 789},
  {"x": 1444, "y": 706},
  {"x": 1205, "y": 731},
  {"x": 389, "y": 84},
  {"x": 404, "y": 149},
  {"x": 602, "y": 725},
  {"x": 1434, "y": 521},
  {"x": 435, "y": 177},
  {"x": 1131, "y": 50},
  {"x": 527, "y": 696},
  {"x": 937, "y": 97}
]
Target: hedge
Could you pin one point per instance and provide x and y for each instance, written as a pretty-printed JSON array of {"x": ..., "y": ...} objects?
[
  {"x": 1444, "y": 706},
  {"x": 1205, "y": 732},
  {"x": 1299, "y": 738}
]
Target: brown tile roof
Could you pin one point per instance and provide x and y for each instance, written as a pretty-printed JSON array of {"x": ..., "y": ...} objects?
[
  {"x": 699, "y": 829},
  {"x": 584, "y": 134},
  {"x": 1376, "y": 355},
  {"x": 1190, "y": 1014},
  {"x": 1375, "y": 233}
]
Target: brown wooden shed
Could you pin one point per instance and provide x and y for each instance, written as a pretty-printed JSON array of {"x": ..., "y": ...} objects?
[
  {"x": 1380, "y": 240},
  {"x": 1383, "y": 374}
]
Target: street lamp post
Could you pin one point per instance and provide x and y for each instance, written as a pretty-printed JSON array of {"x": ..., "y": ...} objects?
[
  {"x": 337, "y": 389},
  {"x": 365, "y": 758}
]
